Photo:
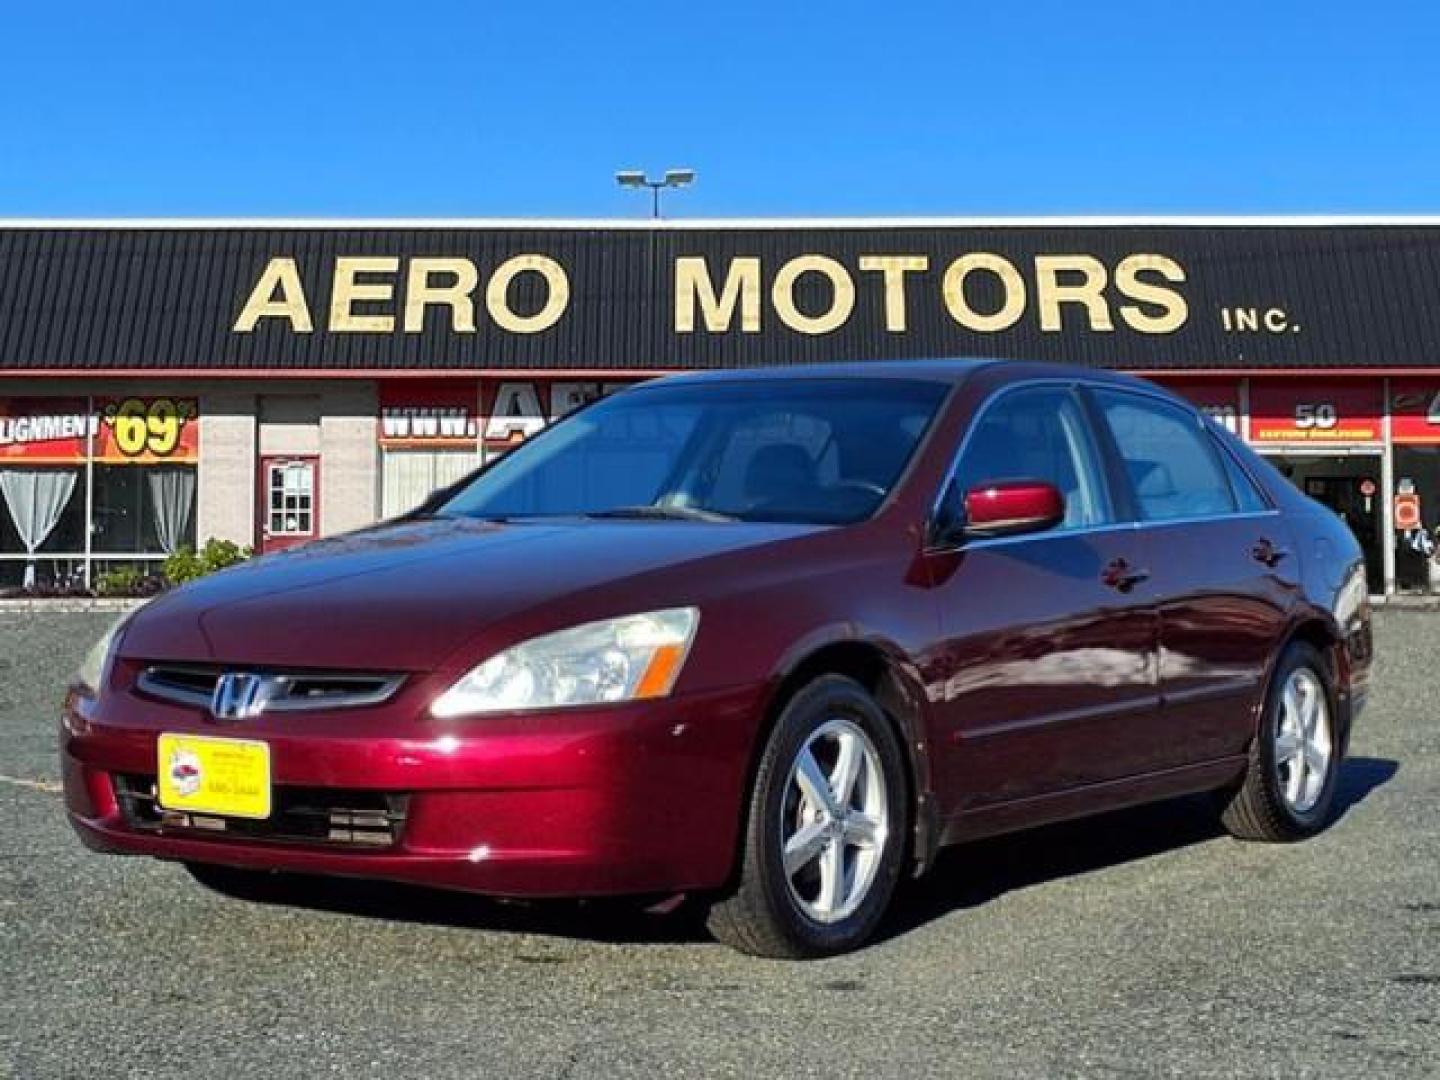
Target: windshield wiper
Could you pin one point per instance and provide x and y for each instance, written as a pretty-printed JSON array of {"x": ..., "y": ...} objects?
[{"x": 662, "y": 513}]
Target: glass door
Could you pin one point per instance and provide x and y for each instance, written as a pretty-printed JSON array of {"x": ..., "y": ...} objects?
[{"x": 289, "y": 512}]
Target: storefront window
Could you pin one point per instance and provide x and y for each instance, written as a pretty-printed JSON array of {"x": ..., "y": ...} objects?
[
  {"x": 43, "y": 516},
  {"x": 144, "y": 509},
  {"x": 128, "y": 463}
]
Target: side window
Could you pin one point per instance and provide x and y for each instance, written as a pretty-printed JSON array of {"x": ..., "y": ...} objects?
[
  {"x": 1174, "y": 468},
  {"x": 1247, "y": 495},
  {"x": 1038, "y": 434}
]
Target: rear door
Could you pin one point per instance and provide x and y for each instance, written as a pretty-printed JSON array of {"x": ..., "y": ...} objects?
[
  {"x": 1047, "y": 659},
  {"x": 1222, "y": 572}
]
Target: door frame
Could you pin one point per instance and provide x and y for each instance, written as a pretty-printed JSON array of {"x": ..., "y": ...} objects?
[{"x": 264, "y": 541}]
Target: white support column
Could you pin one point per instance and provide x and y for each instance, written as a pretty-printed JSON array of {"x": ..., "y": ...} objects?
[
  {"x": 1387, "y": 496},
  {"x": 225, "y": 497}
]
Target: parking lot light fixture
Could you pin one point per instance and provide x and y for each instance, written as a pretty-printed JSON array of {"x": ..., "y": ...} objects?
[{"x": 673, "y": 178}]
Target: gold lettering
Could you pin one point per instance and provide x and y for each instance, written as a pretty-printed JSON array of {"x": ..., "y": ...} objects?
[
  {"x": 497, "y": 294},
  {"x": 421, "y": 292},
  {"x": 741, "y": 288},
  {"x": 1050, "y": 294},
  {"x": 282, "y": 276},
  {"x": 895, "y": 267},
  {"x": 956, "y": 302},
  {"x": 347, "y": 292},
  {"x": 842, "y": 298},
  {"x": 1173, "y": 310}
]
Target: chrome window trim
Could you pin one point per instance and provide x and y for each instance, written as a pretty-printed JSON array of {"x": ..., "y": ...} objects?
[
  {"x": 388, "y": 684},
  {"x": 1115, "y": 527},
  {"x": 1075, "y": 384}
]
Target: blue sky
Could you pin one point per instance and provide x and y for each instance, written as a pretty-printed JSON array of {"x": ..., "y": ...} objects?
[{"x": 322, "y": 108}]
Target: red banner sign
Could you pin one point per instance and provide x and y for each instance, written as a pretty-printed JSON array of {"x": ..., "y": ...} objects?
[
  {"x": 120, "y": 431},
  {"x": 1415, "y": 411},
  {"x": 1320, "y": 411},
  {"x": 436, "y": 415}
]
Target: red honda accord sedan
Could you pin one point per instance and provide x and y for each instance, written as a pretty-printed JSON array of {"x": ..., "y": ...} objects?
[{"x": 769, "y": 638}]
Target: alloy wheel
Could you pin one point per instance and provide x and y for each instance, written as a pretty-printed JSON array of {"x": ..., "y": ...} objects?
[
  {"x": 834, "y": 821},
  {"x": 1304, "y": 744}
]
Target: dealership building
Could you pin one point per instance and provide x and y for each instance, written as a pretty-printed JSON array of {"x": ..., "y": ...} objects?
[{"x": 163, "y": 382}]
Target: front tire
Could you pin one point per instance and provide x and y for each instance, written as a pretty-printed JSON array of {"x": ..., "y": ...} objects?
[
  {"x": 825, "y": 832},
  {"x": 1289, "y": 788}
]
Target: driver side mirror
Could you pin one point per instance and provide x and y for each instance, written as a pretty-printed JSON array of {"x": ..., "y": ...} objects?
[{"x": 1000, "y": 508}]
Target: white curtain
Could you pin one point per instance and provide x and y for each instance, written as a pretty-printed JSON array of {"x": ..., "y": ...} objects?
[
  {"x": 172, "y": 494},
  {"x": 36, "y": 498}
]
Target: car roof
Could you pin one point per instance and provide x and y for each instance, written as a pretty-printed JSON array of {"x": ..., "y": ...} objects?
[{"x": 944, "y": 370}]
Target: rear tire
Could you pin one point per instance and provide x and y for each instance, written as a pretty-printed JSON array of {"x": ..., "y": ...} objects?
[
  {"x": 1288, "y": 791},
  {"x": 824, "y": 834}
]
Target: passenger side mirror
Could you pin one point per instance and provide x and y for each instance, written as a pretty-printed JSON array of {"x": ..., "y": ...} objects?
[
  {"x": 996, "y": 508},
  {"x": 1010, "y": 507},
  {"x": 1000, "y": 507}
]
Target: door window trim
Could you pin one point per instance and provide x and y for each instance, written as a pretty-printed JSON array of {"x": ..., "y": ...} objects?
[{"x": 1124, "y": 508}]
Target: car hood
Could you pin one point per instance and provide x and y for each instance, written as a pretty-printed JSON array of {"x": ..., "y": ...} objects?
[{"x": 405, "y": 596}]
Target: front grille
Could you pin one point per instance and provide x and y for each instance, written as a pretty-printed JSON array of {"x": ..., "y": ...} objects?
[
  {"x": 329, "y": 816},
  {"x": 292, "y": 691}
]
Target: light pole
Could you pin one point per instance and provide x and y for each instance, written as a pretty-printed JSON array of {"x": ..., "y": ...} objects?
[{"x": 673, "y": 178}]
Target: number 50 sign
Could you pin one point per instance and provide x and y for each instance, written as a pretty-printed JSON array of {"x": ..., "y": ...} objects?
[
  {"x": 139, "y": 430},
  {"x": 1319, "y": 411}
]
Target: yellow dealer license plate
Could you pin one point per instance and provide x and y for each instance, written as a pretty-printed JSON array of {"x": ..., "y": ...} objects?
[{"x": 228, "y": 777}]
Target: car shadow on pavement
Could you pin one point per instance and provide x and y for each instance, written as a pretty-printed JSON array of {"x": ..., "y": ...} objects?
[
  {"x": 972, "y": 874},
  {"x": 964, "y": 876}
]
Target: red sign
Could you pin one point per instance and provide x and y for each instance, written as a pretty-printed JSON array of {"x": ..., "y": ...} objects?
[
  {"x": 1217, "y": 399},
  {"x": 436, "y": 414},
  {"x": 1303, "y": 411},
  {"x": 143, "y": 431},
  {"x": 1415, "y": 411},
  {"x": 120, "y": 431},
  {"x": 1407, "y": 511},
  {"x": 45, "y": 431}
]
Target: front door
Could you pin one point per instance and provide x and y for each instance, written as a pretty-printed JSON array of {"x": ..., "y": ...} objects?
[
  {"x": 1047, "y": 674},
  {"x": 289, "y": 511}
]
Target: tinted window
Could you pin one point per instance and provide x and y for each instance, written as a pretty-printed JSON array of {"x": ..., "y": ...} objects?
[
  {"x": 801, "y": 450},
  {"x": 1174, "y": 469},
  {"x": 1247, "y": 495},
  {"x": 1038, "y": 434}
]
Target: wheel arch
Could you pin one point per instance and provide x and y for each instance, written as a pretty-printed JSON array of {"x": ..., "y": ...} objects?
[
  {"x": 886, "y": 674},
  {"x": 1323, "y": 634}
]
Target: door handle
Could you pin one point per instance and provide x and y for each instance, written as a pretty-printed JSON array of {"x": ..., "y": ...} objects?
[
  {"x": 1121, "y": 576},
  {"x": 1266, "y": 552}
]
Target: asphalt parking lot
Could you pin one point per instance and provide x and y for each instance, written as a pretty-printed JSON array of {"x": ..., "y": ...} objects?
[{"x": 1141, "y": 944}]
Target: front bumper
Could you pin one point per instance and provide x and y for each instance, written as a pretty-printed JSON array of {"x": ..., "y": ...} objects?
[{"x": 640, "y": 798}]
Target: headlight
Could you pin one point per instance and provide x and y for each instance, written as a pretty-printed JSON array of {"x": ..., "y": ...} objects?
[
  {"x": 624, "y": 659},
  {"x": 92, "y": 668}
]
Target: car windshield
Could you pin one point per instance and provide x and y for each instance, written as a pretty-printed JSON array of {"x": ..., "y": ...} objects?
[{"x": 819, "y": 451}]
